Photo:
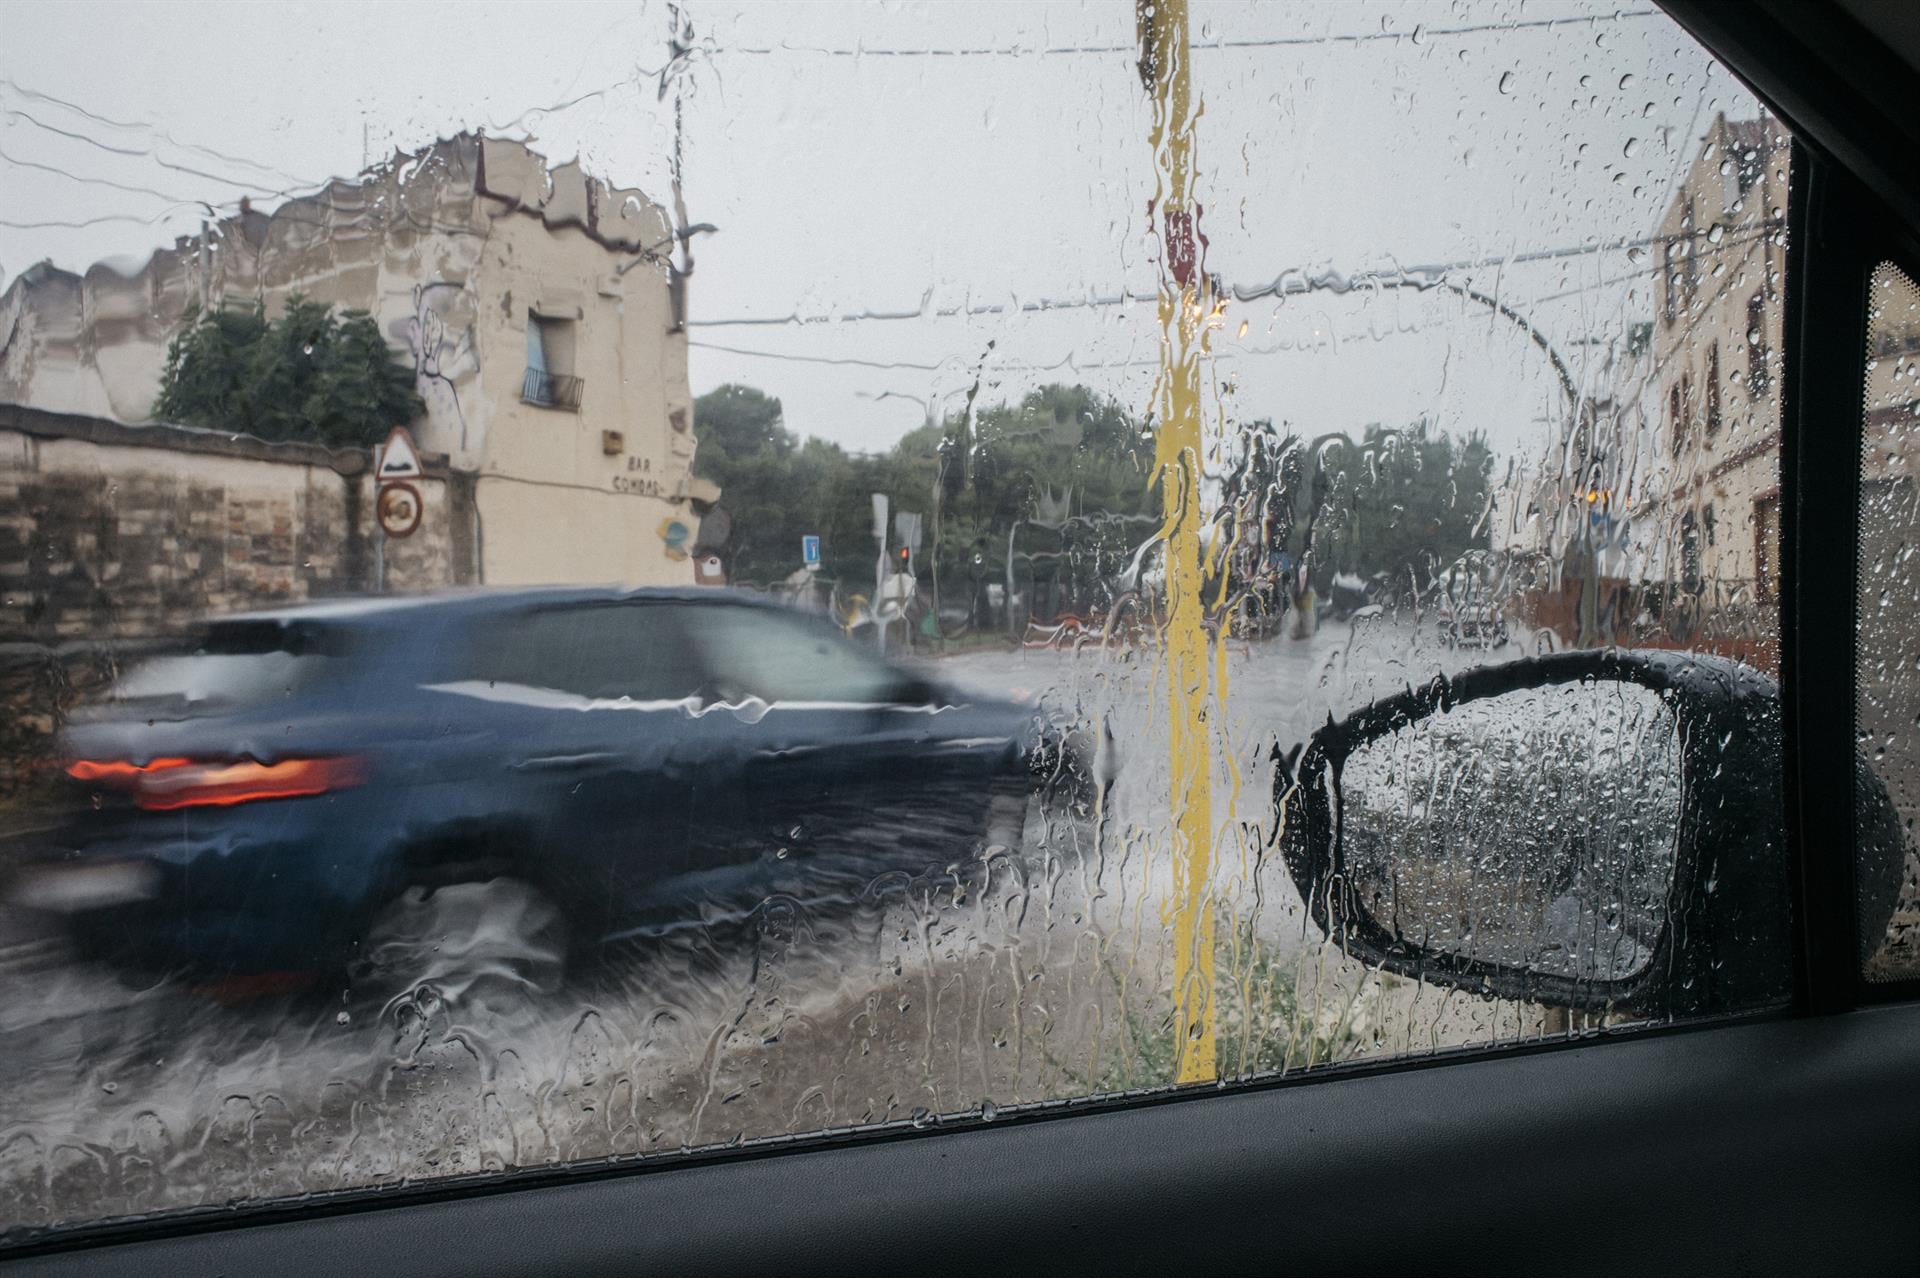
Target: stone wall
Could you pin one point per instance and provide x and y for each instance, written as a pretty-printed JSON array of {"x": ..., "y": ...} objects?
[{"x": 114, "y": 539}]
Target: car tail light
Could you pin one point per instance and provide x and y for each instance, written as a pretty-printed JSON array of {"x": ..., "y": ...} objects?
[{"x": 166, "y": 784}]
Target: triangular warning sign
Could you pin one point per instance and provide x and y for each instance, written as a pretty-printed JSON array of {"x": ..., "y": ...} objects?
[{"x": 397, "y": 459}]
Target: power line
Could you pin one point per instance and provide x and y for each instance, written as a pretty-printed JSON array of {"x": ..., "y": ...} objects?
[
  {"x": 1415, "y": 36},
  {"x": 94, "y": 181},
  {"x": 82, "y": 225},
  {"x": 1752, "y": 231},
  {"x": 223, "y": 179},
  {"x": 819, "y": 359},
  {"x": 1288, "y": 283},
  {"x": 147, "y": 127},
  {"x": 1065, "y": 362},
  {"x": 557, "y": 107}
]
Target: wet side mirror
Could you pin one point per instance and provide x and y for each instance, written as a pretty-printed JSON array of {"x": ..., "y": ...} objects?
[{"x": 1585, "y": 829}]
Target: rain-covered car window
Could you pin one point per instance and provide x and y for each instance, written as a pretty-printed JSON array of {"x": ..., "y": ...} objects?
[
  {"x": 759, "y": 653},
  {"x": 214, "y": 674},
  {"x": 1887, "y": 674},
  {"x": 605, "y": 651},
  {"x": 790, "y": 557}
]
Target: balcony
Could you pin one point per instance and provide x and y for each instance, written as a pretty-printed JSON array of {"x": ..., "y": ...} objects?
[{"x": 552, "y": 390}]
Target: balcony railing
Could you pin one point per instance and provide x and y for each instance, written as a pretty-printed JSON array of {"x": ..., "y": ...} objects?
[{"x": 552, "y": 390}]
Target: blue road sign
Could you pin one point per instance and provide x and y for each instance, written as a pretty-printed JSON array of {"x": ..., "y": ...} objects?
[{"x": 810, "y": 551}]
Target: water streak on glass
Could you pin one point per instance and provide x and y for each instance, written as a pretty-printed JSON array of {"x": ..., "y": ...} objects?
[{"x": 602, "y": 583}]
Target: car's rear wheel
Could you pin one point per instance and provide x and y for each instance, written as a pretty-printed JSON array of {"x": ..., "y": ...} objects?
[{"x": 484, "y": 946}]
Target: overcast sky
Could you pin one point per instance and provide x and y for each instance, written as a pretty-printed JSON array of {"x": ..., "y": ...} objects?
[{"x": 901, "y": 159}]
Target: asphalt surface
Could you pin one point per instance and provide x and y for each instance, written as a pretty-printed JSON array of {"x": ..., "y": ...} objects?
[{"x": 998, "y": 985}]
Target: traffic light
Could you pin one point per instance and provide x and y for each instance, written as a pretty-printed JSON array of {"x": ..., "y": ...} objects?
[{"x": 902, "y": 559}]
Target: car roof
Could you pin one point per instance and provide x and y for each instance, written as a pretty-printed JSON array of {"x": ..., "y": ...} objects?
[{"x": 400, "y": 610}]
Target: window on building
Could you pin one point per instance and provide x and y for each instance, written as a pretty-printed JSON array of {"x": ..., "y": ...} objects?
[
  {"x": 1758, "y": 378},
  {"x": 1690, "y": 561},
  {"x": 1766, "y": 546},
  {"x": 550, "y": 380},
  {"x": 1713, "y": 390},
  {"x": 1676, "y": 420},
  {"x": 1670, "y": 282},
  {"x": 1690, "y": 251}
]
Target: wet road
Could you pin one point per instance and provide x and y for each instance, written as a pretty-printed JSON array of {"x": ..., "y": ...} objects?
[{"x": 994, "y": 985}]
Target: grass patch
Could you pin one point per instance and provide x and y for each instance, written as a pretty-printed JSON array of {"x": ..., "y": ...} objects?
[{"x": 1273, "y": 1015}]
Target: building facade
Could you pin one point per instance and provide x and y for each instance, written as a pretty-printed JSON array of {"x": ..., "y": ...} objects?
[
  {"x": 537, "y": 307},
  {"x": 1709, "y": 511}
]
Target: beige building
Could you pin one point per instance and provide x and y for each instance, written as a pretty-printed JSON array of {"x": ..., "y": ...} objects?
[
  {"x": 536, "y": 306},
  {"x": 1708, "y": 514},
  {"x": 1654, "y": 516}
]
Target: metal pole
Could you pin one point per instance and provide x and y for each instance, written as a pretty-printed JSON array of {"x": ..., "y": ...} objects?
[
  {"x": 1011, "y": 632},
  {"x": 1185, "y": 300},
  {"x": 939, "y": 500},
  {"x": 879, "y": 567}
]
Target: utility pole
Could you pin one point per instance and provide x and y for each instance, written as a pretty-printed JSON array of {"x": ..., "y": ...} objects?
[
  {"x": 929, "y": 405},
  {"x": 879, "y": 567},
  {"x": 679, "y": 58},
  {"x": 206, "y": 265},
  {"x": 1185, "y": 302}
]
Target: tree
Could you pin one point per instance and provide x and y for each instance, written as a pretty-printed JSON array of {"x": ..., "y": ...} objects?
[
  {"x": 309, "y": 375},
  {"x": 1059, "y": 441},
  {"x": 1401, "y": 502},
  {"x": 1065, "y": 454},
  {"x": 777, "y": 488},
  {"x": 739, "y": 422},
  {"x": 1408, "y": 503}
]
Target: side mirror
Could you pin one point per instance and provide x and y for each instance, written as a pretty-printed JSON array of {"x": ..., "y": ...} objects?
[{"x": 1584, "y": 829}]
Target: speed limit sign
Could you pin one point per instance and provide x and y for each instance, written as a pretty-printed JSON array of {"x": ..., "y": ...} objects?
[{"x": 398, "y": 509}]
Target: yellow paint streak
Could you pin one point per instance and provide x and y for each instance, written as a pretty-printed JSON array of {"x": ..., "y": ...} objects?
[{"x": 1184, "y": 310}]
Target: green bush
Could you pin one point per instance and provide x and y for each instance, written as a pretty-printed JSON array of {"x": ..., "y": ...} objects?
[{"x": 310, "y": 375}]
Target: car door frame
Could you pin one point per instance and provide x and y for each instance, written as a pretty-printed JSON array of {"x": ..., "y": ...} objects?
[
  {"x": 1773, "y": 1142},
  {"x": 1850, "y": 210}
]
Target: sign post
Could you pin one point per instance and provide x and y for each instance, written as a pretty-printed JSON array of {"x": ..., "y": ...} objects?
[
  {"x": 397, "y": 459},
  {"x": 906, "y": 526},
  {"x": 810, "y": 552},
  {"x": 879, "y": 567},
  {"x": 397, "y": 505},
  {"x": 398, "y": 508}
]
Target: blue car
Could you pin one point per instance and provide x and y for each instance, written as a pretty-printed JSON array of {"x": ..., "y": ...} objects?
[{"x": 514, "y": 778}]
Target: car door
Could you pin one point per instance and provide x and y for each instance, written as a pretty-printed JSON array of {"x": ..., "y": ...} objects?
[
  {"x": 1377, "y": 955},
  {"x": 587, "y": 702},
  {"x": 840, "y": 772}
]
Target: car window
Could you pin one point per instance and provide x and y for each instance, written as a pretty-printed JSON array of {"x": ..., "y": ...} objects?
[
  {"x": 758, "y": 652},
  {"x": 1325, "y": 455},
  {"x": 603, "y": 652},
  {"x": 234, "y": 664},
  {"x": 1887, "y": 667}
]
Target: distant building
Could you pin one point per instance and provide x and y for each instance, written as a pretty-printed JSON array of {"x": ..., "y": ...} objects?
[
  {"x": 536, "y": 307},
  {"x": 1710, "y": 507},
  {"x": 1654, "y": 516}
]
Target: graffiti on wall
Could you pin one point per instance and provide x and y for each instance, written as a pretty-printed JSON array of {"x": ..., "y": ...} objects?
[{"x": 440, "y": 337}]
